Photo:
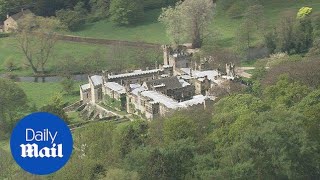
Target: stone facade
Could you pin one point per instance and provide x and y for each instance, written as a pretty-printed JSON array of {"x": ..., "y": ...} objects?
[
  {"x": 11, "y": 23},
  {"x": 159, "y": 92},
  {"x": 177, "y": 58},
  {"x": 231, "y": 70},
  {"x": 202, "y": 85},
  {"x": 92, "y": 92}
]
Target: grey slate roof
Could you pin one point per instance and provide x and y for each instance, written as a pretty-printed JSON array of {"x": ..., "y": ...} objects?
[
  {"x": 135, "y": 73},
  {"x": 20, "y": 14},
  {"x": 96, "y": 80},
  {"x": 116, "y": 87},
  {"x": 162, "y": 99},
  {"x": 85, "y": 87},
  {"x": 169, "y": 83}
]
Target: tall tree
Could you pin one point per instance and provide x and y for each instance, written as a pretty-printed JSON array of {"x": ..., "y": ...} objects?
[
  {"x": 126, "y": 12},
  {"x": 56, "y": 107},
  {"x": 36, "y": 38},
  {"x": 99, "y": 8},
  {"x": 8, "y": 7},
  {"x": 253, "y": 22},
  {"x": 73, "y": 19},
  {"x": 188, "y": 20},
  {"x": 13, "y": 102}
]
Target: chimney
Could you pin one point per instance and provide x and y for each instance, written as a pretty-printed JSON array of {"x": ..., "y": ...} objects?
[{"x": 8, "y": 15}]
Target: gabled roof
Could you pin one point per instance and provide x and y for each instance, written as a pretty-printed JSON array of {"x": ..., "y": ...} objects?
[
  {"x": 116, "y": 87},
  {"x": 85, "y": 87},
  {"x": 162, "y": 99},
  {"x": 135, "y": 73},
  {"x": 96, "y": 80},
  {"x": 184, "y": 83},
  {"x": 169, "y": 83},
  {"x": 20, "y": 14}
]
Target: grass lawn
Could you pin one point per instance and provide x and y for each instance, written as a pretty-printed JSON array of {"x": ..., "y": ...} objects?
[
  {"x": 41, "y": 94},
  {"x": 81, "y": 53},
  {"x": 74, "y": 117},
  {"x": 148, "y": 31},
  {"x": 9, "y": 49},
  {"x": 5, "y": 145},
  {"x": 225, "y": 27}
]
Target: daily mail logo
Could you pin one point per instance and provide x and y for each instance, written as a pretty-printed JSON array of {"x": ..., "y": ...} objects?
[
  {"x": 32, "y": 150},
  {"x": 41, "y": 143}
]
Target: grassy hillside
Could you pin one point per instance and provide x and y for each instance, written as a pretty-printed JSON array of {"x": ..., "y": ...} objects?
[
  {"x": 41, "y": 94},
  {"x": 223, "y": 26},
  {"x": 9, "y": 49},
  {"x": 149, "y": 31},
  {"x": 4, "y": 144},
  {"x": 80, "y": 55}
]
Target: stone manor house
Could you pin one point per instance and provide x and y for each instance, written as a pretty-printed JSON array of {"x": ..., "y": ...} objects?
[
  {"x": 11, "y": 23},
  {"x": 175, "y": 84}
]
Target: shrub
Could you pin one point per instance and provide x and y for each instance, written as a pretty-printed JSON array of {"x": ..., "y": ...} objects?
[
  {"x": 304, "y": 11},
  {"x": 126, "y": 12},
  {"x": 9, "y": 64},
  {"x": 3, "y": 35}
]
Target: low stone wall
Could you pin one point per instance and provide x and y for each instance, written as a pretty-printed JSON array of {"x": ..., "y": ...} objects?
[
  {"x": 73, "y": 107},
  {"x": 106, "y": 41}
]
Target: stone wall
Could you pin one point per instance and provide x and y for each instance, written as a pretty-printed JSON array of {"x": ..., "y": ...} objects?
[{"x": 10, "y": 25}]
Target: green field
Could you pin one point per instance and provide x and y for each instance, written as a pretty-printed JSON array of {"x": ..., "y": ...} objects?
[
  {"x": 222, "y": 33},
  {"x": 4, "y": 144},
  {"x": 41, "y": 94},
  {"x": 223, "y": 27},
  {"x": 9, "y": 49},
  {"x": 149, "y": 31},
  {"x": 81, "y": 54}
]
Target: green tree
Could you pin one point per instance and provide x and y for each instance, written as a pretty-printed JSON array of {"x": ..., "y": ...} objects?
[
  {"x": 11, "y": 6},
  {"x": 253, "y": 141},
  {"x": 120, "y": 174},
  {"x": 285, "y": 32},
  {"x": 99, "y": 9},
  {"x": 13, "y": 105},
  {"x": 310, "y": 107},
  {"x": 179, "y": 127},
  {"x": 303, "y": 35},
  {"x": 126, "y": 12},
  {"x": 285, "y": 92},
  {"x": 6, "y": 164},
  {"x": 188, "y": 20},
  {"x": 252, "y": 24},
  {"x": 270, "y": 40},
  {"x": 129, "y": 136},
  {"x": 37, "y": 38},
  {"x": 304, "y": 11},
  {"x": 56, "y": 107},
  {"x": 73, "y": 19},
  {"x": 68, "y": 85}
]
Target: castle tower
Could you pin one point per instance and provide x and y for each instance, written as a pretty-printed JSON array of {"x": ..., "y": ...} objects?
[
  {"x": 230, "y": 69},
  {"x": 166, "y": 54},
  {"x": 105, "y": 77},
  {"x": 128, "y": 98}
]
